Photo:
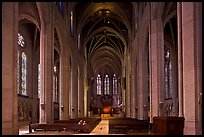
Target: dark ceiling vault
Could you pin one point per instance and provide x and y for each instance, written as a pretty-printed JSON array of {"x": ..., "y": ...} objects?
[{"x": 105, "y": 30}]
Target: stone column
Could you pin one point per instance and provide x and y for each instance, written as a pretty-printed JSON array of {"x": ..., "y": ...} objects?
[
  {"x": 85, "y": 101},
  {"x": 133, "y": 85},
  {"x": 157, "y": 63},
  {"x": 128, "y": 72},
  {"x": 85, "y": 91},
  {"x": 9, "y": 68},
  {"x": 35, "y": 101},
  {"x": 64, "y": 86},
  {"x": 89, "y": 97},
  {"x": 198, "y": 16},
  {"x": 64, "y": 79},
  {"x": 80, "y": 94},
  {"x": 46, "y": 64},
  {"x": 123, "y": 81},
  {"x": 140, "y": 82},
  {"x": 142, "y": 75},
  {"x": 74, "y": 90},
  {"x": 180, "y": 60},
  {"x": 191, "y": 42}
]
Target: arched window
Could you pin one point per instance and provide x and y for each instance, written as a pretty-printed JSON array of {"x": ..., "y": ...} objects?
[
  {"x": 168, "y": 76},
  {"x": 21, "y": 66},
  {"x": 24, "y": 73},
  {"x": 38, "y": 80},
  {"x": 99, "y": 84},
  {"x": 115, "y": 84},
  {"x": 106, "y": 85}
]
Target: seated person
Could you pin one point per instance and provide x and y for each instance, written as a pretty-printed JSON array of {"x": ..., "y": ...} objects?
[
  {"x": 80, "y": 122},
  {"x": 84, "y": 123}
]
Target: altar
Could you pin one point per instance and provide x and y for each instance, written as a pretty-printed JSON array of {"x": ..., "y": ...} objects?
[{"x": 105, "y": 116}]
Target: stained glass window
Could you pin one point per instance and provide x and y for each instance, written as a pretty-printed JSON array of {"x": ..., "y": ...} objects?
[
  {"x": 38, "y": 80},
  {"x": 61, "y": 7},
  {"x": 23, "y": 74},
  {"x": 106, "y": 85},
  {"x": 168, "y": 76},
  {"x": 56, "y": 88},
  {"x": 18, "y": 73},
  {"x": 21, "y": 66},
  {"x": 78, "y": 41},
  {"x": 21, "y": 41},
  {"x": 72, "y": 21},
  {"x": 55, "y": 94},
  {"x": 99, "y": 84},
  {"x": 115, "y": 85}
]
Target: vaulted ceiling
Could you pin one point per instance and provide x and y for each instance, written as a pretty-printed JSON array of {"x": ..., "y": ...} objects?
[{"x": 105, "y": 29}]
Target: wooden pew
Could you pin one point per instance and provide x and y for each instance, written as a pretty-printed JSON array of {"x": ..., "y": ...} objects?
[
  {"x": 125, "y": 125},
  {"x": 91, "y": 123},
  {"x": 71, "y": 124},
  {"x": 53, "y": 126}
]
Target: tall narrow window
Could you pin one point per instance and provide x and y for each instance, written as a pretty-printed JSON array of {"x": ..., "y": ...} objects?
[
  {"x": 167, "y": 76},
  {"x": 106, "y": 85},
  {"x": 115, "y": 85},
  {"x": 78, "y": 42},
  {"x": 61, "y": 7},
  {"x": 24, "y": 74},
  {"x": 71, "y": 21},
  {"x": 38, "y": 80},
  {"x": 21, "y": 66},
  {"x": 99, "y": 84},
  {"x": 18, "y": 73},
  {"x": 55, "y": 94}
]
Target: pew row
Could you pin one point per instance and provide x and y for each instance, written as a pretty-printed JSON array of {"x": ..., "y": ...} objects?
[
  {"x": 65, "y": 125},
  {"x": 127, "y": 124}
]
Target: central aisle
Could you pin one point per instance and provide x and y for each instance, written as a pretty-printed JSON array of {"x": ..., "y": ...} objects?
[{"x": 102, "y": 128}]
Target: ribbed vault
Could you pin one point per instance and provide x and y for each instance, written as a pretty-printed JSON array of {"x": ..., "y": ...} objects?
[{"x": 105, "y": 29}]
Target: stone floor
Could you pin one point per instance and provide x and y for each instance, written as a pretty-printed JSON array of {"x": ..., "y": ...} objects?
[{"x": 101, "y": 129}]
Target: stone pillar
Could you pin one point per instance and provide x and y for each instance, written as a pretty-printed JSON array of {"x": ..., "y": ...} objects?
[
  {"x": 64, "y": 75},
  {"x": 123, "y": 81},
  {"x": 85, "y": 101},
  {"x": 9, "y": 68},
  {"x": 80, "y": 94},
  {"x": 85, "y": 91},
  {"x": 180, "y": 60},
  {"x": 140, "y": 80},
  {"x": 198, "y": 16},
  {"x": 133, "y": 86},
  {"x": 89, "y": 97},
  {"x": 74, "y": 91},
  {"x": 128, "y": 73},
  {"x": 46, "y": 64},
  {"x": 64, "y": 86},
  {"x": 157, "y": 63},
  {"x": 35, "y": 101},
  {"x": 142, "y": 75},
  {"x": 191, "y": 43}
]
